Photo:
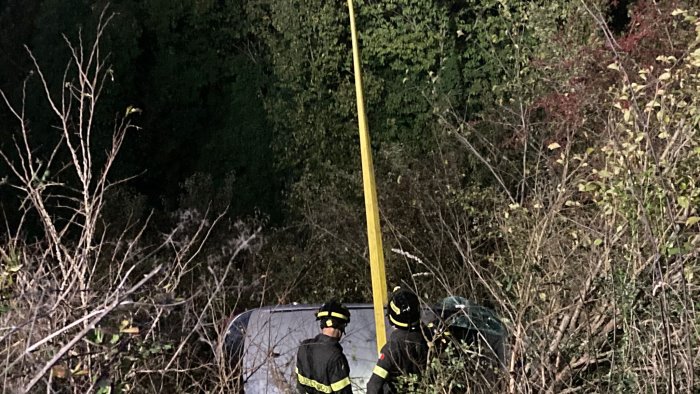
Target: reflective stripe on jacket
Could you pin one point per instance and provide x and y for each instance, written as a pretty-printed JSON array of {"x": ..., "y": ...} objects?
[
  {"x": 322, "y": 367},
  {"x": 405, "y": 353}
]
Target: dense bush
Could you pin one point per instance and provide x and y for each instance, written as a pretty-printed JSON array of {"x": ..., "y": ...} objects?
[{"x": 593, "y": 262}]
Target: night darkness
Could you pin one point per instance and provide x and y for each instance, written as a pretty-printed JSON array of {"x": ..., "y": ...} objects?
[{"x": 197, "y": 82}]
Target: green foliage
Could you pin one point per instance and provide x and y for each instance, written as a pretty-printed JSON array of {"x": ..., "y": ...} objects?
[
  {"x": 648, "y": 168},
  {"x": 10, "y": 267},
  {"x": 311, "y": 99},
  {"x": 405, "y": 43},
  {"x": 618, "y": 222},
  {"x": 458, "y": 368},
  {"x": 120, "y": 348},
  {"x": 647, "y": 187}
]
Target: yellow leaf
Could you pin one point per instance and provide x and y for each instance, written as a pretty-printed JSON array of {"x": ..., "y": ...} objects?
[
  {"x": 59, "y": 371},
  {"x": 692, "y": 220},
  {"x": 678, "y": 11},
  {"x": 614, "y": 66},
  {"x": 130, "y": 330},
  {"x": 587, "y": 187},
  {"x": 665, "y": 76},
  {"x": 131, "y": 109},
  {"x": 688, "y": 272},
  {"x": 553, "y": 146},
  {"x": 626, "y": 115},
  {"x": 637, "y": 87},
  {"x": 604, "y": 174}
]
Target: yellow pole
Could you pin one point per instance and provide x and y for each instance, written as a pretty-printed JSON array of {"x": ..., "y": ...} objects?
[{"x": 374, "y": 234}]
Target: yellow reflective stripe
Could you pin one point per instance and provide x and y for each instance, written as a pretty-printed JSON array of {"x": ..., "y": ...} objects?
[
  {"x": 395, "y": 308},
  {"x": 314, "y": 384},
  {"x": 339, "y": 316},
  {"x": 381, "y": 372},
  {"x": 341, "y": 384},
  {"x": 333, "y": 314},
  {"x": 398, "y": 323}
]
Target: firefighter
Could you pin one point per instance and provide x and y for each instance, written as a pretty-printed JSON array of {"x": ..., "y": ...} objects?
[
  {"x": 406, "y": 352},
  {"x": 321, "y": 364}
]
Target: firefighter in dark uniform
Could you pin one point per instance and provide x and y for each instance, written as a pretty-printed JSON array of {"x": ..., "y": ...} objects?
[
  {"x": 406, "y": 352},
  {"x": 321, "y": 364}
]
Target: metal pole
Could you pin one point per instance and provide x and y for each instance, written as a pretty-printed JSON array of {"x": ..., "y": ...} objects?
[{"x": 374, "y": 234}]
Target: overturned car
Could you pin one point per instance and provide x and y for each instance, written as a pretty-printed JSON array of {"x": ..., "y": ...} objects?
[{"x": 262, "y": 343}]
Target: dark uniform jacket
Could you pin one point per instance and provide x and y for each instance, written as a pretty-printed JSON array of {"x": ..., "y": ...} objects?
[
  {"x": 405, "y": 353},
  {"x": 322, "y": 367}
]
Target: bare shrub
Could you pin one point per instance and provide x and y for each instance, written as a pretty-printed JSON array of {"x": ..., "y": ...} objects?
[{"x": 87, "y": 307}]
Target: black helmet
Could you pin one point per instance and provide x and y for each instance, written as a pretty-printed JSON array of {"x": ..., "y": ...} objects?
[
  {"x": 404, "y": 309},
  {"x": 333, "y": 314}
]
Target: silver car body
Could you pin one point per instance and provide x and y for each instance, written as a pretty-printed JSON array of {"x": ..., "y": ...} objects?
[
  {"x": 264, "y": 341},
  {"x": 271, "y": 335}
]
